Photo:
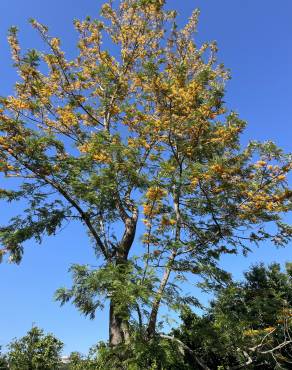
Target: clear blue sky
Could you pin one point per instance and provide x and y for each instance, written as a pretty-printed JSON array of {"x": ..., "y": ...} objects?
[{"x": 254, "y": 39}]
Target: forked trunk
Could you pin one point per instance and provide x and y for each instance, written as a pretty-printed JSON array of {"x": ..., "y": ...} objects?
[{"x": 118, "y": 325}]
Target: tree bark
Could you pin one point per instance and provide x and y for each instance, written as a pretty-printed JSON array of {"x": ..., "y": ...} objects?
[
  {"x": 118, "y": 332},
  {"x": 119, "y": 326}
]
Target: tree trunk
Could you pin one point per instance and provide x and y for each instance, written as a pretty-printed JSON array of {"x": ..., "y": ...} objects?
[
  {"x": 115, "y": 328},
  {"x": 118, "y": 324},
  {"x": 118, "y": 328}
]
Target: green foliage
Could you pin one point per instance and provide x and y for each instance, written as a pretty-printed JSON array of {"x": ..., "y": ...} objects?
[
  {"x": 3, "y": 361},
  {"x": 77, "y": 361},
  {"x": 123, "y": 283},
  {"x": 140, "y": 354},
  {"x": 38, "y": 221},
  {"x": 247, "y": 322},
  {"x": 252, "y": 317},
  {"x": 141, "y": 135},
  {"x": 35, "y": 351}
]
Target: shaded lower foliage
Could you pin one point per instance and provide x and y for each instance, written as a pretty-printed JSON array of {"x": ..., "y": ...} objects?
[
  {"x": 3, "y": 361},
  {"x": 248, "y": 324}
]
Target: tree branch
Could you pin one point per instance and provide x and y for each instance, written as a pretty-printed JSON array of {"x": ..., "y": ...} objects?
[
  {"x": 241, "y": 366},
  {"x": 187, "y": 348},
  {"x": 83, "y": 214}
]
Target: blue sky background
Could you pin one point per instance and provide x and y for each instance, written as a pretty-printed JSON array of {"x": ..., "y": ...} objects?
[{"x": 255, "y": 42}]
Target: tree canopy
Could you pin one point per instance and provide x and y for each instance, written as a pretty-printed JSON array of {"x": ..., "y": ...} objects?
[
  {"x": 35, "y": 351},
  {"x": 133, "y": 139}
]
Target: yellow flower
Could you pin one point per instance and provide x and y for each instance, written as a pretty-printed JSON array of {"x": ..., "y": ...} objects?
[
  {"x": 194, "y": 182},
  {"x": 259, "y": 164},
  {"x": 270, "y": 206},
  {"x": 155, "y": 193},
  {"x": 67, "y": 116},
  {"x": 147, "y": 209},
  {"x": 217, "y": 168},
  {"x": 17, "y": 104},
  {"x": 55, "y": 43},
  {"x": 101, "y": 157}
]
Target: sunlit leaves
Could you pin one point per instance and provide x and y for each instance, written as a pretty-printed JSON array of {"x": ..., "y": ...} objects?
[{"x": 136, "y": 124}]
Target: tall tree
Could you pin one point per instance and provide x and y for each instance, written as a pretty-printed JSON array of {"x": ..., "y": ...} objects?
[
  {"x": 35, "y": 351},
  {"x": 135, "y": 129}
]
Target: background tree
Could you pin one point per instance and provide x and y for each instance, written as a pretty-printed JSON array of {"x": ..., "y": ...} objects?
[
  {"x": 249, "y": 324},
  {"x": 76, "y": 362},
  {"x": 35, "y": 351},
  {"x": 137, "y": 134},
  {"x": 3, "y": 361}
]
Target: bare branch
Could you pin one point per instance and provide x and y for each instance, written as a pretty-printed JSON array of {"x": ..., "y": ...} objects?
[
  {"x": 187, "y": 348},
  {"x": 241, "y": 366}
]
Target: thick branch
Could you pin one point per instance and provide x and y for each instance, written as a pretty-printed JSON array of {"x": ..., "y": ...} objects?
[
  {"x": 165, "y": 277},
  {"x": 159, "y": 294},
  {"x": 281, "y": 345},
  {"x": 130, "y": 223},
  {"x": 129, "y": 235},
  {"x": 253, "y": 349},
  {"x": 83, "y": 215}
]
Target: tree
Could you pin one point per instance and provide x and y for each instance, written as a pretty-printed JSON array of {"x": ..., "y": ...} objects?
[
  {"x": 138, "y": 354},
  {"x": 248, "y": 323},
  {"x": 35, "y": 351},
  {"x": 136, "y": 131},
  {"x": 77, "y": 361},
  {"x": 3, "y": 361}
]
